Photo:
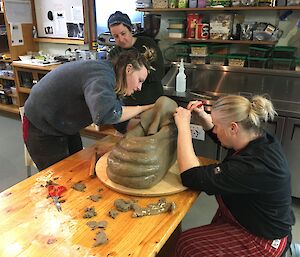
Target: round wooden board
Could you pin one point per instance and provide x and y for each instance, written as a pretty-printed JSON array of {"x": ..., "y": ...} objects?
[{"x": 170, "y": 184}]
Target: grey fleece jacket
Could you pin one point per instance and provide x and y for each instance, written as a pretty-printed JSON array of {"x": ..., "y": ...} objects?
[{"x": 73, "y": 96}]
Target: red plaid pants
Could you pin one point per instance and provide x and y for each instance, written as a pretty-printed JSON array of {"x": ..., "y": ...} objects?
[{"x": 225, "y": 237}]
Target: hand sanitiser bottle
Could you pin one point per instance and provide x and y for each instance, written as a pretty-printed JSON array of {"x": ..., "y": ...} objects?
[{"x": 181, "y": 78}]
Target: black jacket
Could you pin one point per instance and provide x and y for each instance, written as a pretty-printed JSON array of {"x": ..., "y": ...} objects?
[{"x": 254, "y": 185}]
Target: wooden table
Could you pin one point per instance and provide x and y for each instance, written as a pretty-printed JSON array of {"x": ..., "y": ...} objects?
[{"x": 31, "y": 226}]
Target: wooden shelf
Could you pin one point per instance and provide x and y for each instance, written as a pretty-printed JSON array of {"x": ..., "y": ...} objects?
[
  {"x": 101, "y": 131},
  {"x": 245, "y": 42},
  {"x": 24, "y": 90},
  {"x": 7, "y": 78},
  {"x": 59, "y": 40},
  {"x": 5, "y": 60},
  {"x": 241, "y": 8},
  {"x": 9, "y": 108}
]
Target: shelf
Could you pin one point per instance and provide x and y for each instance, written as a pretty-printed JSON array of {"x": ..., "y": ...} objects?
[
  {"x": 246, "y": 42},
  {"x": 9, "y": 108},
  {"x": 5, "y": 60},
  {"x": 59, "y": 40},
  {"x": 7, "y": 78},
  {"x": 24, "y": 90},
  {"x": 101, "y": 131},
  {"x": 241, "y": 8}
]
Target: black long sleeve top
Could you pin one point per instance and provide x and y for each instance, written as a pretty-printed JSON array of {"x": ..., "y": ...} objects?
[{"x": 254, "y": 184}]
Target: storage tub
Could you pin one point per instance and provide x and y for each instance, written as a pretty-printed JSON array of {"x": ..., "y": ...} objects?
[
  {"x": 217, "y": 59},
  {"x": 182, "y": 48},
  {"x": 297, "y": 64},
  {"x": 259, "y": 51},
  {"x": 199, "y": 49},
  {"x": 221, "y": 49},
  {"x": 282, "y": 63},
  {"x": 176, "y": 23},
  {"x": 236, "y": 60},
  {"x": 176, "y": 33},
  {"x": 257, "y": 62},
  {"x": 283, "y": 52},
  {"x": 196, "y": 59}
]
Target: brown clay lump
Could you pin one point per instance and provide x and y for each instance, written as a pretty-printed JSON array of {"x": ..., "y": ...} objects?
[
  {"x": 89, "y": 212},
  {"x": 123, "y": 205},
  {"x": 97, "y": 224},
  {"x": 154, "y": 209},
  {"x": 143, "y": 157},
  {"x": 100, "y": 238},
  {"x": 113, "y": 213},
  {"x": 79, "y": 186},
  {"x": 94, "y": 198}
]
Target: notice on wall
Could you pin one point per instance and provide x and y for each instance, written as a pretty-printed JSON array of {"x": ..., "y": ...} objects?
[
  {"x": 18, "y": 11},
  {"x": 16, "y": 34},
  {"x": 61, "y": 19}
]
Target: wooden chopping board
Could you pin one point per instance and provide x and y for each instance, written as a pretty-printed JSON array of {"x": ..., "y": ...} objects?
[{"x": 170, "y": 184}]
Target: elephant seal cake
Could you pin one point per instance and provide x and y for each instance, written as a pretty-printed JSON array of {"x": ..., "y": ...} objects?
[{"x": 143, "y": 157}]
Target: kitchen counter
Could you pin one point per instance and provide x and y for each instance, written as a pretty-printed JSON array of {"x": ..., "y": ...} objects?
[
  {"x": 30, "y": 225},
  {"x": 283, "y": 108}
]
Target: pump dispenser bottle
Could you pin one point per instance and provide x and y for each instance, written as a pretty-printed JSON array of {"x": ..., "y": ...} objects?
[{"x": 181, "y": 78}]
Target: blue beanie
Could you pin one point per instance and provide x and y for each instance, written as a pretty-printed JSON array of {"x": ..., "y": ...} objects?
[{"x": 119, "y": 18}]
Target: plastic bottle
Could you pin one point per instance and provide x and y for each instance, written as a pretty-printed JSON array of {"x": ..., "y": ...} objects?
[{"x": 181, "y": 78}]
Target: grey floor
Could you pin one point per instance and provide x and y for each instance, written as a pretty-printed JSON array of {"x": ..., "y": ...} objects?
[{"x": 13, "y": 170}]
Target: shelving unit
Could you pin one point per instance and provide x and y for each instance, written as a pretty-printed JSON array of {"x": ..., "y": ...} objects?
[
  {"x": 11, "y": 53},
  {"x": 220, "y": 9},
  {"x": 241, "y": 8}
]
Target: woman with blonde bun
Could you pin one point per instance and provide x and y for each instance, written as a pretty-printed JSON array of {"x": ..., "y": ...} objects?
[{"x": 251, "y": 185}]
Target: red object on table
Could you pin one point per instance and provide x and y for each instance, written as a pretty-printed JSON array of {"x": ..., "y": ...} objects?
[{"x": 55, "y": 192}]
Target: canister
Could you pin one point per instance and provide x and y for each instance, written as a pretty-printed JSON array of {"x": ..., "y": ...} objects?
[
  {"x": 173, "y": 3},
  {"x": 192, "y": 20},
  {"x": 202, "y": 31},
  {"x": 182, "y": 3},
  {"x": 193, "y": 3}
]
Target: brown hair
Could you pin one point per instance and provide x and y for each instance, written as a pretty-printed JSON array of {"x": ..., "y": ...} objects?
[
  {"x": 249, "y": 113},
  {"x": 120, "y": 63}
]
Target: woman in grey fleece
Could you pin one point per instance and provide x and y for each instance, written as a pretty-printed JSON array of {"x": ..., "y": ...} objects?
[{"x": 75, "y": 95}]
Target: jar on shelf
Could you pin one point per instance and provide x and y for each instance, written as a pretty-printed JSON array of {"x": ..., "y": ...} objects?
[
  {"x": 160, "y": 3},
  {"x": 173, "y": 3}
]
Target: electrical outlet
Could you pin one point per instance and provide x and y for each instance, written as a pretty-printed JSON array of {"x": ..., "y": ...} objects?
[{"x": 197, "y": 132}]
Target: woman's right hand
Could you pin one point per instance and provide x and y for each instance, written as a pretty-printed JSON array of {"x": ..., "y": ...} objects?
[
  {"x": 205, "y": 118},
  {"x": 197, "y": 106}
]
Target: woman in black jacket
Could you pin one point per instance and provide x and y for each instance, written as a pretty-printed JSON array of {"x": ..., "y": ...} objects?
[{"x": 251, "y": 185}]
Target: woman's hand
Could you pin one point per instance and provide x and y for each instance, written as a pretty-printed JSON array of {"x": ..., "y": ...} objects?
[
  {"x": 204, "y": 118},
  {"x": 182, "y": 118}
]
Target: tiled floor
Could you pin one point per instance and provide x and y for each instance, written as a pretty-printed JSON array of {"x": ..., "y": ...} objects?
[{"x": 12, "y": 170}]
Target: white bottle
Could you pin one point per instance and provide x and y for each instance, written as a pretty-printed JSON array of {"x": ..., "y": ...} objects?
[{"x": 181, "y": 79}]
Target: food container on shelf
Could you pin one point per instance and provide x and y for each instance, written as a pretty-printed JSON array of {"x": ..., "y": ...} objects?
[
  {"x": 236, "y": 60},
  {"x": 176, "y": 33},
  {"x": 192, "y": 20},
  {"x": 259, "y": 51},
  {"x": 297, "y": 64},
  {"x": 182, "y": 48},
  {"x": 220, "y": 26},
  {"x": 173, "y": 3},
  {"x": 222, "y": 49},
  {"x": 160, "y": 3},
  {"x": 283, "y": 51},
  {"x": 198, "y": 59},
  {"x": 257, "y": 62},
  {"x": 217, "y": 59},
  {"x": 199, "y": 49},
  {"x": 177, "y": 23},
  {"x": 282, "y": 63}
]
